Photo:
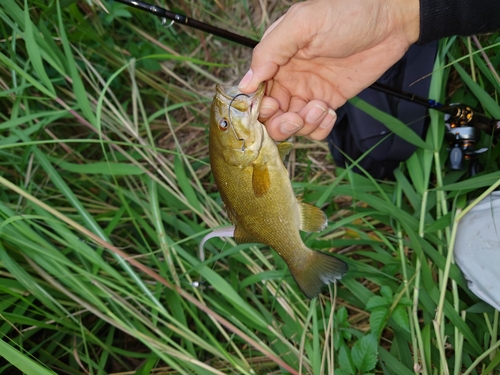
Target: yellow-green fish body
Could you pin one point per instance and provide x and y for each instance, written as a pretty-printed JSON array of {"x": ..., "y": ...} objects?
[{"x": 255, "y": 187}]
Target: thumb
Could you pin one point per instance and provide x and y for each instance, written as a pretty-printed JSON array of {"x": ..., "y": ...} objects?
[{"x": 275, "y": 49}]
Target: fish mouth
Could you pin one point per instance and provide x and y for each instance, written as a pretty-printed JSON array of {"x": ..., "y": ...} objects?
[{"x": 231, "y": 96}]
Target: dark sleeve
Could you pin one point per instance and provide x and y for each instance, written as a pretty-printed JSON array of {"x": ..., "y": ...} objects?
[{"x": 441, "y": 18}]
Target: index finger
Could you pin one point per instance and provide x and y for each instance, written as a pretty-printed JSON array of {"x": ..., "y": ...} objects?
[{"x": 274, "y": 50}]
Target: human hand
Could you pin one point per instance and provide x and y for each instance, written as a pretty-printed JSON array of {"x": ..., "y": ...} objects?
[{"x": 322, "y": 53}]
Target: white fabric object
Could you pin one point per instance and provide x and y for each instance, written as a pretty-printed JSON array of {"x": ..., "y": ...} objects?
[{"x": 477, "y": 249}]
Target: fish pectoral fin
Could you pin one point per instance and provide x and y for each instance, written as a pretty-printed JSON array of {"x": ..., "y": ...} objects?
[
  {"x": 261, "y": 181},
  {"x": 316, "y": 270},
  {"x": 284, "y": 149},
  {"x": 219, "y": 232},
  {"x": 312, "y": 219}
]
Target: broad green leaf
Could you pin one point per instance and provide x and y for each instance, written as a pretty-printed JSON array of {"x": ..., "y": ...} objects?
[
  {"x": 377, "y": 302},
  {"x": 414, "y": 198},
  {"x": 22, "y": 361},
  {"x": 185, "y": 183},
  {"x": 386, "y": 292},
  {"x": 14, "y": 12},
  {"x": 340, "y": 371},
  {"x": 223, "y": 287},
  {"x": 400, "y": 316},
  {"x": 473, "y": 183},
  {"x": 341, "y": 315},
  {"x": 262, "y": 276},
  {"x": 12, "y": 65},
  {"x": 486, "y": 100},
  {"x": 40, "y": 116},
  {"x": 393, "y": 363},
  {"x": 104, "y": 168},
  {"x": 443, "y": 222},
  {"x": 34, "y": 51},
  {"x": 378, "y": 319},
  {"x": 357, "y": 289},
  {"x": 78, "y": 86},
  {"x": 364, "y": 353},
  {"x": 345, "y": 361},
  {"x": 480, "y": 308},
  {"x": 494, "y": 364},
  {"x": 392, "y": 123}
]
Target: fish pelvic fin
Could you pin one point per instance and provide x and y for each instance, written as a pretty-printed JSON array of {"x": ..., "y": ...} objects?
[
  {"x": 284, "y": 149},
  {"x": 317, "y": 270}
]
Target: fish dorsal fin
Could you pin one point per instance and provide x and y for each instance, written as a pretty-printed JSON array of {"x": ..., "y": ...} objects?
[
  {"x": 312, "y": 219},
  {"x": 284, "y": 149},
  {"x": 261, "y": 181}
]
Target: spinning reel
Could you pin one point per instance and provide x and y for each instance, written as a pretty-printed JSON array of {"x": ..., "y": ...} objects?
[{"x": 464, "y": 126}]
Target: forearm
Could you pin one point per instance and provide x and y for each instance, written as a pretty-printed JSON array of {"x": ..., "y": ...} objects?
[{"x": 441, "y": 18}]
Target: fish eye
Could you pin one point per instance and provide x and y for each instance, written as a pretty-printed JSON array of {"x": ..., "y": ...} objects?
[{"x": 223, "y": 124}]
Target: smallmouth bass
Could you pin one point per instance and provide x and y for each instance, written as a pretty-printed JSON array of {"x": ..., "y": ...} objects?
[{"x": 253, "y": 182}]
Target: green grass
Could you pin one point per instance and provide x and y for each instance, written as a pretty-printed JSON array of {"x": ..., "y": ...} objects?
[{"x": 106, "y": 193}]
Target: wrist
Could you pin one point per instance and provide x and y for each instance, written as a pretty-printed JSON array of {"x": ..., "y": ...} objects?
[{"x": 408, "y": 14}]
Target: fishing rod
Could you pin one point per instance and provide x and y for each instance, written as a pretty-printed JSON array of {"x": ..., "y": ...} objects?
[
  {"x": 165, "y": 14},
  {"x": 184, "y": 20},
  {"x": 463, "y": 122}
]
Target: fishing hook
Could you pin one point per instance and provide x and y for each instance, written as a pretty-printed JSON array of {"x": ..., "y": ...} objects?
[{"x": 231, "y": 124}]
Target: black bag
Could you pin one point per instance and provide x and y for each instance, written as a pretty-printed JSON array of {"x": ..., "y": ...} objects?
[{"x": 355, "y": 132}]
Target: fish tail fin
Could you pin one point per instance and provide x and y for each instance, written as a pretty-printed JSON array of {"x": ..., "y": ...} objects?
[{"x": 315, "y": 270}]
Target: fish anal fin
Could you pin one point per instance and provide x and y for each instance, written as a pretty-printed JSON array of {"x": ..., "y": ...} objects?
[
  {"x": 312, "y": 219},
  {"x": 315, "y": 271},
  {"x": 261, "y": 181},
  {"x": 284, "y": 149}
]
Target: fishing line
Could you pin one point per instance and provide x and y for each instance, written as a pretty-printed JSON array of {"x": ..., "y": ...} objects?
[{"x": 231, "y": 124}]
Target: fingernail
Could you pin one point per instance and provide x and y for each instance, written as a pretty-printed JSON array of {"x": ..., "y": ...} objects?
[
  {"x": 246, "y": 79},
  {"x": 288, "y": 127},
  {"x": 329, "y": 119},
  {"x": 315, "y": 114}
]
